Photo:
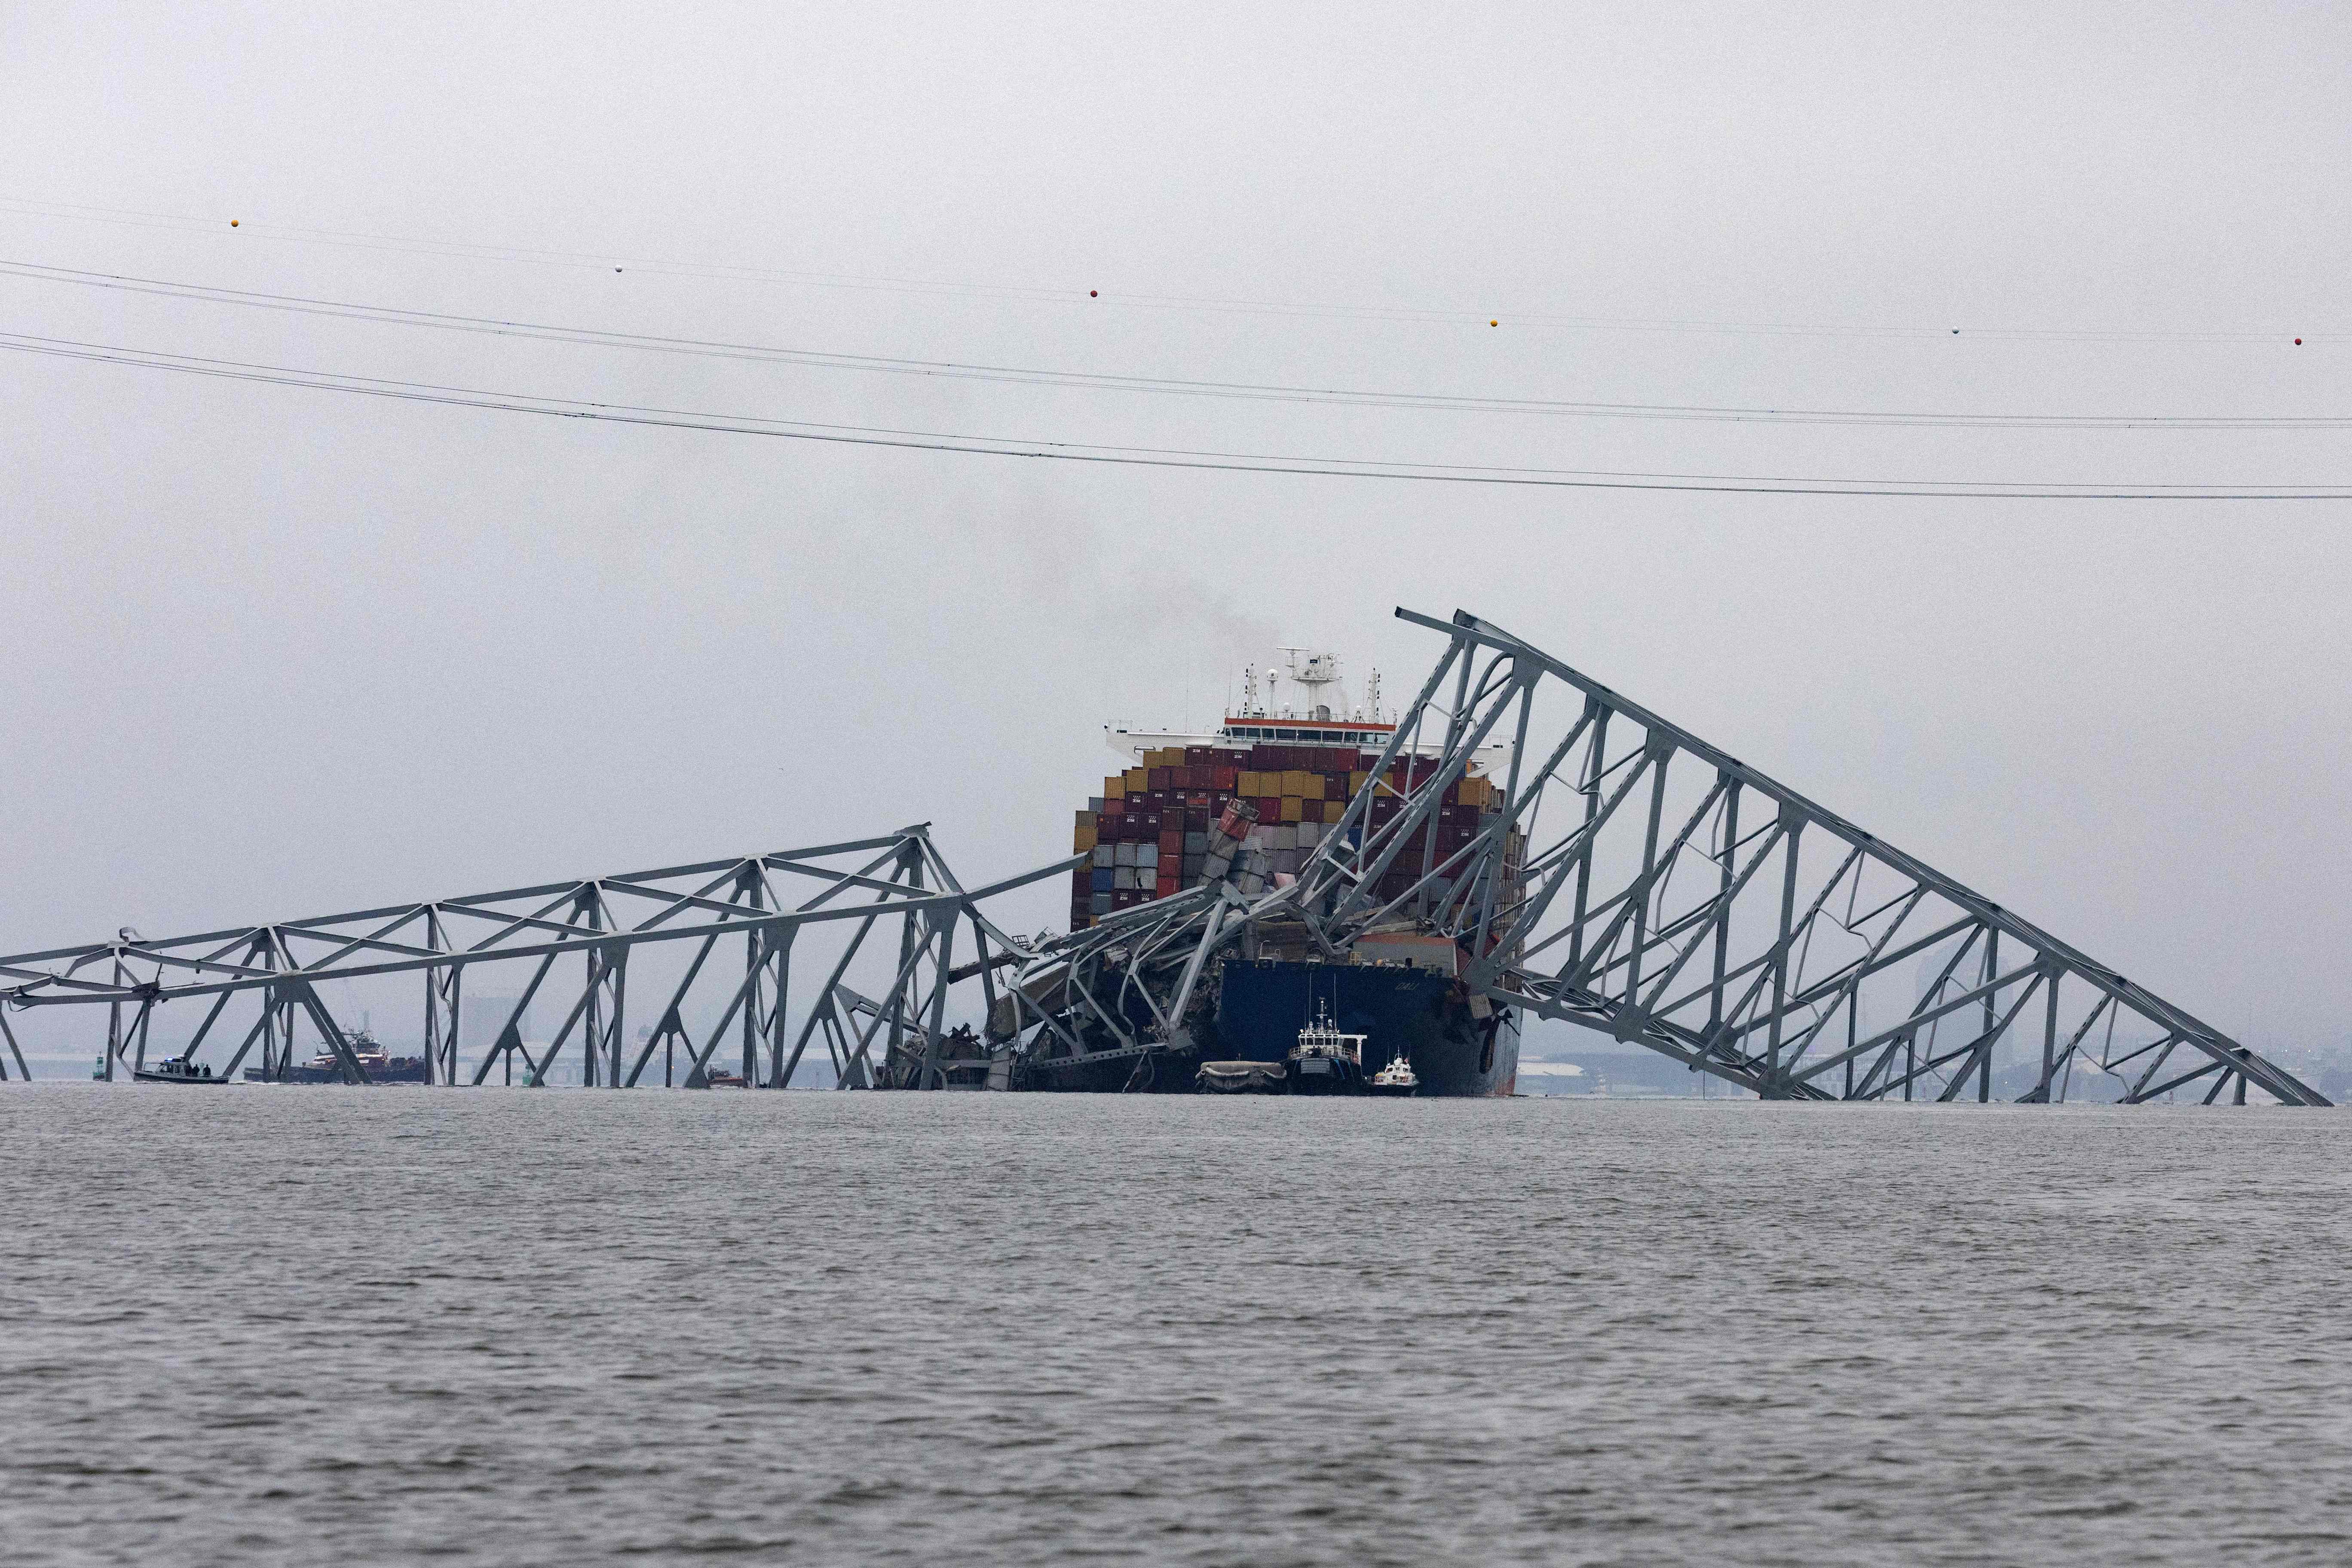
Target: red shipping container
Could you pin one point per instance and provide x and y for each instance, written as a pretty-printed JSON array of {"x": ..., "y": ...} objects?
[
  {"x": 1170, "y": 843},
  {"x": 1194, "y": 756},
  {"x": 1269, "y": 808},
  {"x": 1224, "y": 778},
  {"x": 1115, "y": 807}
]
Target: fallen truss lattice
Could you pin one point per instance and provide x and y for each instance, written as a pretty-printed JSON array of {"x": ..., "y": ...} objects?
[{"x": 1634, "y": 880}]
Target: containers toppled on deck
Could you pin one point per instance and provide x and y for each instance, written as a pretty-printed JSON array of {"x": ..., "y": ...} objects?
[{"x": 1248, "y": 814}]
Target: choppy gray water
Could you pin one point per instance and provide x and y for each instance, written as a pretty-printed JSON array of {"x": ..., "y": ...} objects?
[{"x": 306, "y": 1325}]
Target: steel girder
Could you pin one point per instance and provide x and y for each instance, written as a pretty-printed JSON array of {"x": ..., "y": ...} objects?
[{"x": 759, "y": 903}]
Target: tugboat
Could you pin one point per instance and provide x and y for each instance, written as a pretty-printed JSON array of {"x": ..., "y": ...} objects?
[
  {"x": 1395, "y": 1081},
  {"x": 175, "y": 1069},
  {"x": 378, "y": 1065},
  {"x": 1325, "y": 1061}
]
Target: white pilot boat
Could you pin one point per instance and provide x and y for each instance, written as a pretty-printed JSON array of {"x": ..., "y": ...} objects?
[{"x": 1397, "y": 1080}]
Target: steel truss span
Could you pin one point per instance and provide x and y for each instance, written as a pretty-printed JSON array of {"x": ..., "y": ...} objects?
[
  {"x": 1634, "y": 880},
  {"x": 1678, "y": 899},
  {"x": 570, "y": 946}
]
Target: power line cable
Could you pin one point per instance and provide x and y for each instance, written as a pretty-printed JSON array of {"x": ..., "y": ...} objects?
[
  {"x": 1054, "y": 294},
  {"x": 1140, "y": 456},
  {"x": 1165, "y": 385}
]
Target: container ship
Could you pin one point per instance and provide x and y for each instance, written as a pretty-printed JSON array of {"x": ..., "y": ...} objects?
[{"x": 1250, "y": 802}]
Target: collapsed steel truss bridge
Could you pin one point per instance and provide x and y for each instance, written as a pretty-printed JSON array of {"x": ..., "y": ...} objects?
[{"x": 1634, "y": 880}]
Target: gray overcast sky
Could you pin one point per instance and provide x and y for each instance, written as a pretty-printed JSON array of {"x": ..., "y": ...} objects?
[{"x": 271, "y": 652}]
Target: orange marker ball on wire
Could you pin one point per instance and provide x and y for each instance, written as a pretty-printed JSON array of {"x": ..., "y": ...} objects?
[
  {"x": 1494, "y": 323},
  {"x": 232, "y": 223}
]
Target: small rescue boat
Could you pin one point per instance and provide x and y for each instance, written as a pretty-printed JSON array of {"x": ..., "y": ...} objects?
[
  {"x": 1395, "y": 1081},
  {"x": 175, "y": 1069}
]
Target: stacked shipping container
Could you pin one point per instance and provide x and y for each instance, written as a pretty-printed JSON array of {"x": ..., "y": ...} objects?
[{"x": 1155, "y": 830}]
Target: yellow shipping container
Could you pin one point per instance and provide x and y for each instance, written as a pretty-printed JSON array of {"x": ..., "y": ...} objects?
[
  {"x": 1356, "y": 780},
  {"x": 1115, "y": 787},
  {"x": 1310, "y": 786},
  {"x": 1138, "y": 780},
  {"x": 1293, "y": 808},
  {"x": 1082, "y": 838},
  {"x": 1333, "y": 810},
  {"x": 1246, "y": 784},
  {"x": 1294, "y": 782}
]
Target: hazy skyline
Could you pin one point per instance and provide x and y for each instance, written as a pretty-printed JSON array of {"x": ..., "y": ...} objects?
[{"x": 272, "y": 652}]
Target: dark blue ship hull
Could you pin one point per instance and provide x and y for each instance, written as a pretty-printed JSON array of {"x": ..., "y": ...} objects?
[{"x": 1262, "y": 1005}]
